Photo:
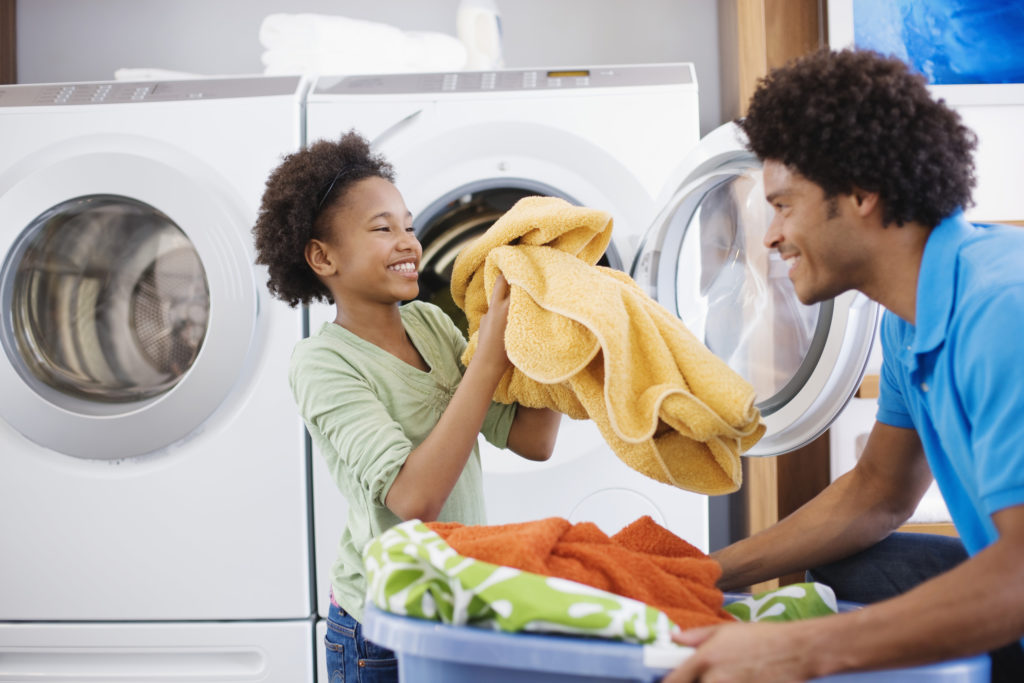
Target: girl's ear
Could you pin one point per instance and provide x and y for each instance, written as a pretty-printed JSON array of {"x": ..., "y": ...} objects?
[{"x": 319, "y": 259}]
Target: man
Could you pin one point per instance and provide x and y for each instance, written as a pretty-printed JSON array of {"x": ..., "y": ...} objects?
[{"x": 867, "y": 175}]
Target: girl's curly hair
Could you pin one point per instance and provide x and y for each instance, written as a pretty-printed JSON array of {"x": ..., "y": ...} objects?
[
  {"x": 856, "y": 118},
  {"x": 300, "y": 197}
]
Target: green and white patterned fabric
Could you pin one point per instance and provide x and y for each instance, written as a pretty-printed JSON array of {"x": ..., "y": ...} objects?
[
  {"x": 412, "y": 571},
  {"x": 789, "y": 603}
]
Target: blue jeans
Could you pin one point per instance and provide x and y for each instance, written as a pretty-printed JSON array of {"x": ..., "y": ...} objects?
[
  {"x": 353, "y": 659},
  {"x": 896, "y": 565}
]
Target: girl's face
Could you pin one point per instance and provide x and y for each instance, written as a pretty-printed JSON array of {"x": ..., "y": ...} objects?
[{"x": 373, "y": 244}]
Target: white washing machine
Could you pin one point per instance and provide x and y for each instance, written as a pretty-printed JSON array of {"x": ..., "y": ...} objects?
[
  {"x": 690, "y": 215},
  {"x": 154, "y": 507},
  {"x": 465, "y": 147}
]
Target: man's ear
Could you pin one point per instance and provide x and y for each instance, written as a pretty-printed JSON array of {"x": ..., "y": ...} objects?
[
  {"x": 319, "y": 259},
  {"x": 865, "y": 202}
]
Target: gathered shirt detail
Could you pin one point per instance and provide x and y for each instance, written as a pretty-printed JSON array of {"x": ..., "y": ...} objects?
[{"x": 366, "y": 410}]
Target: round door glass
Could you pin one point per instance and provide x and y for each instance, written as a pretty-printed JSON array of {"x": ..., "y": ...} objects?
[
  {"x": 109, "y": 301},
  {"x": 735, "y": 294}
]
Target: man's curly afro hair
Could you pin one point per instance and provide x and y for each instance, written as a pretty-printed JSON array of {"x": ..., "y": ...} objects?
[
  {"x": 300, "y": 197},
  {"x": 856, "y": 118}
]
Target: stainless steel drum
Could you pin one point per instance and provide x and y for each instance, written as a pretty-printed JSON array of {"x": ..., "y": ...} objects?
[{"x": 110, "y": 301}]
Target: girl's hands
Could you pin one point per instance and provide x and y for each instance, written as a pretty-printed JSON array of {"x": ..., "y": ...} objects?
[
  {"x": 490, "y": 348},
  {"x": 431, "y": 469}
]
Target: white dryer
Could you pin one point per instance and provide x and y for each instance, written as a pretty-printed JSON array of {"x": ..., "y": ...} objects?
[
  {"x": 153, "y": 487},
  {"x": 465, "y": 147}
]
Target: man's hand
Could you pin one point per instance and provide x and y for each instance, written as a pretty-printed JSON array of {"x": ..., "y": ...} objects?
[{"x": 765, "y": 653}]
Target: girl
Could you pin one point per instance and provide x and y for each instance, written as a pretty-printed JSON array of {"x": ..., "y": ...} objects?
[{"x": 381, "y": 389}]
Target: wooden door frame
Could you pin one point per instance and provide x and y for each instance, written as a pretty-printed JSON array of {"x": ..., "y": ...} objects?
[
  {"x": 755, "y": 36},
  {"x": 8, "y": 42}
]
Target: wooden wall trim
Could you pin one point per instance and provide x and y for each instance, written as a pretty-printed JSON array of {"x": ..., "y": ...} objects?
[
  {"x": 755, "y": 36},
  {"x": 942, "y": 528},
  {"x": 758, "y": 35},
  {"x": 795, "y": 29},
  {"x": 8, "y": 42},
  {"x": 753, "y": 49},
  {"x": 743, "y": 54}
]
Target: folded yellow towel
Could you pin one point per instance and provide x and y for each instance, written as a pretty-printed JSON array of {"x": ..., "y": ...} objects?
[{"x": 587, "y": 341}]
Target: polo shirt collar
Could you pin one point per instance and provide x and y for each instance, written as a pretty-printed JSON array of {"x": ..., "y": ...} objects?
[{"x": 936, "y": 284}]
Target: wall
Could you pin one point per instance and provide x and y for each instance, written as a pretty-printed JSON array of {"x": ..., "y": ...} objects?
[{"x": 71, "y": 40}]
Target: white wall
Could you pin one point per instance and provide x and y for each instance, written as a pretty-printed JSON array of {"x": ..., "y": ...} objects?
[{"x": 75, "y": 40}]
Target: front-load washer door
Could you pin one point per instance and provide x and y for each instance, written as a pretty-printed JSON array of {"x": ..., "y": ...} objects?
[
  {"x": 704, "y": 260},
  {"x": 128, "y": 308}
]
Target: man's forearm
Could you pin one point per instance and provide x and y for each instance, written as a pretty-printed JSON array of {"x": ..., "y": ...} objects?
[
  {"x": 974, "y": 608},
  {"x": 838, "y": 522},
  {"x": 857, "y": 510}
]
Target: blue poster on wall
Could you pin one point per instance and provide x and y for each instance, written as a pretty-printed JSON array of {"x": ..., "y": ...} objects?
[{"x": 949, "y": 41}]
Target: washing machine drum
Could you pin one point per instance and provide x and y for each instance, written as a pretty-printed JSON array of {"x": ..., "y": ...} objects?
[
  {"x": 452, "y": 222},
  {"x": 109, "y": 300},
  {"x": 454, "y": 231}
]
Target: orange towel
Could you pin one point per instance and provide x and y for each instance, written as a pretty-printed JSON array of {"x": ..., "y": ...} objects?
[{"x": 644, "y": 561}]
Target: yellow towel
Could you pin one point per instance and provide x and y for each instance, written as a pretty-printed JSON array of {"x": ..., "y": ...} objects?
[{"x": 587, "y": 341}]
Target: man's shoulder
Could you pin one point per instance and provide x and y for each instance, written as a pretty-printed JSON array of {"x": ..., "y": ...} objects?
[
  {"x": 990, "y": 273},
  {"x": 994, "y": 253}
]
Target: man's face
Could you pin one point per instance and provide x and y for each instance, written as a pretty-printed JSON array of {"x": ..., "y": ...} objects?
[{"x": 812, "y": 233}]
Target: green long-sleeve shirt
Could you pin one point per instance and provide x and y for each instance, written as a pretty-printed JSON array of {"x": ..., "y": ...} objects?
[{"x": 366, "y": 410}]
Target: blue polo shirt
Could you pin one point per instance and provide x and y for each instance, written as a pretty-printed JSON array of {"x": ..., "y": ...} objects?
[{"x": 957, "y": 376}]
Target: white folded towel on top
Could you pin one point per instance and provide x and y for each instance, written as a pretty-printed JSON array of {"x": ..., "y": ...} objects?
[{"x": 317, "y": 43}]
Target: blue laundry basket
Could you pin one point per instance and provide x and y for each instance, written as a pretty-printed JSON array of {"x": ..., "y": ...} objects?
[{"x": 432, "y": 652}]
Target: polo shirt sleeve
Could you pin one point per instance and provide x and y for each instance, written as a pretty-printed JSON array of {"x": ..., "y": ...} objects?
[
  {"x": 988, "y": 372},
  {"x": 339, "y": 403},
  {"x": 892, "y": 406}
]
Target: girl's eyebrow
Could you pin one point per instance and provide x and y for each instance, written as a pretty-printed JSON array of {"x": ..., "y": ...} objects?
[{"x": 387, "y": 214}]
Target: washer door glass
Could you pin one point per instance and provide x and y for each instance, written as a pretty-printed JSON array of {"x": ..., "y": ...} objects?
[
  {"x": 110, "y": 301},
  {"x": 453, "y": 221},
  {"x": 704, "y": 259},
  {"x": 130, "y": 305}
]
